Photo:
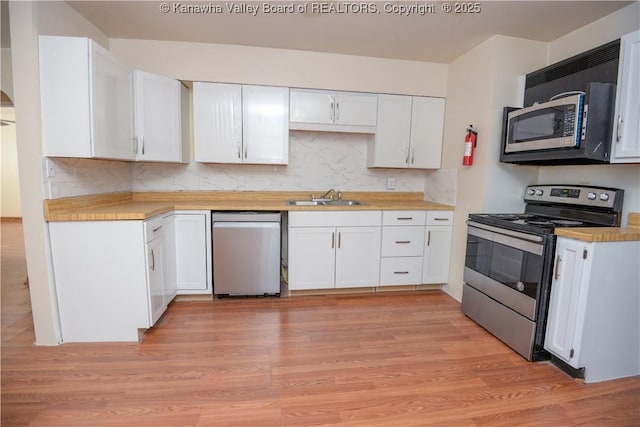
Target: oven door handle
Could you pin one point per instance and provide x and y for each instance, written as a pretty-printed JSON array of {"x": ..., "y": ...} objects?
[
  {"x": 507, "y": 237},
  {"x": 519, "y": 235}
]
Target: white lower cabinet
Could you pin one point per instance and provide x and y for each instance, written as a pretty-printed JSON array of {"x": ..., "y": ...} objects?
[
  {"x": 437, "y": 247},
  {"x": 594, "y": 308},
  {"x": 109, "y": 278},
  {"x": 189, "y": 252},
  {"x": 402, "y": 247},
  {"x": 334, "y": 249},
  {"x": 154, "y": 246}
]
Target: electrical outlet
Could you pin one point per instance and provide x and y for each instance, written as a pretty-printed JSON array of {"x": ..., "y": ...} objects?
[
  {"x": 49, "y": 168},
  {"x": 391, "y": 183}
]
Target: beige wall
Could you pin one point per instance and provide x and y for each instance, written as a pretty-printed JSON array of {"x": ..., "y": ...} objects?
[
  {"x": 10, "y": 193},
  {"x": 6, "y": 73},
  {"x": 28, "y": 20},
  {"x": 282, "y": 67},
  {"x": 480, "y": 83},
  {"x": 598, "y": 32}
]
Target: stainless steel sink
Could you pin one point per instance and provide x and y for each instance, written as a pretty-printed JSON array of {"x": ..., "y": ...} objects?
[
  {"x": 305, "y": 203},
  {"x": 325, "y": 203},
  {"x": 344, "y": 203}
]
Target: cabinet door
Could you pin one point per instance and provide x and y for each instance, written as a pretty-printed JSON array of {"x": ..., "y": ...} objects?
[
  {"x": 64, "y": 94},
  {"x": 217, "y": 122},
  {"x": 157, "y": 118},
  {"x": 564, "y": 312},
  {"x": 391, "y": 142},
  {"x": 311, "y": 107},
  {"x": 437, "y": 255},
  {"x": 427, "y": 123},
  {"x": 355, "y": 109},
  {"x": 312, "y": 257},
  {"x": 357, "y": 257},
  {"x": 193, "y": 252},
  {"x": 101, "y": 281},
  {"x": 265, "y": 124},
  {"x": 155, "y": 279},
  {"x": 112, "y": 106},
  {"x": 626, "y": 135},
  {"x": 169, "y": 239}
]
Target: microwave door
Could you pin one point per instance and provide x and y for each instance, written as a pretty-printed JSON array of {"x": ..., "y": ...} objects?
[{"x": 555, "y": 124}]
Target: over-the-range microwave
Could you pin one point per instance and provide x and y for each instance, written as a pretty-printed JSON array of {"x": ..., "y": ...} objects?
[{"x": 574, "y": 128}]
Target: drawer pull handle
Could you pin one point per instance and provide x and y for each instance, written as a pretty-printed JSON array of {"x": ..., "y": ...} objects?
[
  {"x": 400, "y": 272},
  {"x": 403, "y": 241},
  {"x": 405, "y": 218},
  {"x": 441, "y": 219},
  {"x": 156, "y": 229}
]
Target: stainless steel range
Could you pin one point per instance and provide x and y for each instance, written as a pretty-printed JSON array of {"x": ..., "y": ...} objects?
[{"x": 507, "y": 274}]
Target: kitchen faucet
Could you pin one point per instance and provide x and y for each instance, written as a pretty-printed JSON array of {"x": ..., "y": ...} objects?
[{"x": 328, "y": 195}]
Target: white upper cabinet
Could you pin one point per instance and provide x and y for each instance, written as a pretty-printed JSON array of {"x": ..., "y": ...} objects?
[
  {"x": 265, "y": 124},
  {"x": 240, "y": 124},
  {"x": 217, "y": 122},
  {"x": 409, "y": 133},
  {"x": 333, "y": 111},
  {"x": 625, "y": 147},
  {"x": 158, "y": 118},
  {"x": 86, "y": 99}
]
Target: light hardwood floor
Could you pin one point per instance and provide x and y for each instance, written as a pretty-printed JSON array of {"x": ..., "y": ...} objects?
[{"x": 407, "y": 359}]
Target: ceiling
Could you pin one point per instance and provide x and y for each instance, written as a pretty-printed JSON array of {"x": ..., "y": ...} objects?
[{"x": 434, "y": 36}]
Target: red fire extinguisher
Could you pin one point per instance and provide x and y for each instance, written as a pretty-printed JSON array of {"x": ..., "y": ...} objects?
[{"x": 470, "y": 142}]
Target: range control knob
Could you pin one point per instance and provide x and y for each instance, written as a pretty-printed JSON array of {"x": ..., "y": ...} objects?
[
  {"x": 520, "y": 286},
  {"x": 539, "y": 192},
  {"x": 591, "y": 196},
  {"x": 604, "y": 197},
  {"x": 531, "y": 192}
]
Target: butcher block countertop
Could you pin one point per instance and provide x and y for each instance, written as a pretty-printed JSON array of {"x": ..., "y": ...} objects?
[
  {"x": 143, "y": 205},
  {"x": 605, "y": 234}
]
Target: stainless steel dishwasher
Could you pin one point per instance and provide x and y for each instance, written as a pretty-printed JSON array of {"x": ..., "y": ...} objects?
[{"x": 246, "y": 253}]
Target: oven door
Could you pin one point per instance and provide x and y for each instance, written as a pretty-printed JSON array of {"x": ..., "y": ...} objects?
[{"x": 505, "y": 265}]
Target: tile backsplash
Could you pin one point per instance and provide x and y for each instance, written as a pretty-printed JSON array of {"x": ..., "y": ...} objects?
[
  {"x": 317, "y": 161},
  {"x": 78, "y": 177}
]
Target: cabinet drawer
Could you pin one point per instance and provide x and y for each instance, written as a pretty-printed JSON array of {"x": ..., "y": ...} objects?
[
  {"x": 334, "y": 219},
  {"x": 402, "y": 241},
  {"x": 152, "y": 228},
  {"x": 401, "y": 271},
  {"x": 440, "y": 218},
  {"x": 403, "y": 217}
]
